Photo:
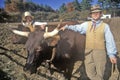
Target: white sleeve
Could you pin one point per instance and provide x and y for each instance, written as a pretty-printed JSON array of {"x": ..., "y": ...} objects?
[{"x": 40, "y": 23}]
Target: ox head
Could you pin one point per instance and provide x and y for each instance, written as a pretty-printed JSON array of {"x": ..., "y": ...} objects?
[{"x": 39, "y": 47}]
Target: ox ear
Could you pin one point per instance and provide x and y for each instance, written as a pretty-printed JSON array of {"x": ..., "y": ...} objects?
[{"x": 52, "y": 41}]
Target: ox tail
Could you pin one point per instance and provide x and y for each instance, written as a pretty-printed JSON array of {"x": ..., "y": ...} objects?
[{"x": 21, "y": 33}]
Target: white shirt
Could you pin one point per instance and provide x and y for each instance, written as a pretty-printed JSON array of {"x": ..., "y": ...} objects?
[{"x": 34, "y": 24}]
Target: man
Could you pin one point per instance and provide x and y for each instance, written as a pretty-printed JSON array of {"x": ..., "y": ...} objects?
[
  {"x": 99, "y": 41},
  {"x": 28, "y": 21}
]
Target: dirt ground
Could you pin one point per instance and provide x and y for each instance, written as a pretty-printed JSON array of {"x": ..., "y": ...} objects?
[{"x": 13, "y": 57}]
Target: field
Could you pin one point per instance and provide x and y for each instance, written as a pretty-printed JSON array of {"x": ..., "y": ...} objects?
[{"x": 12, "y": 57}]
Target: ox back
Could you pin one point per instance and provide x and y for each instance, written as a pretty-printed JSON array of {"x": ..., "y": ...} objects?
[
  {"x": 71, "y": 43},
  {"x": 70, "y": 49}
]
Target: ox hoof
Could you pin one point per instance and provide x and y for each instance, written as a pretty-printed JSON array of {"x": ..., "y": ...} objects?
[
  {"x": 25, "y": 69},
  {"x": 30, "y": 69}
]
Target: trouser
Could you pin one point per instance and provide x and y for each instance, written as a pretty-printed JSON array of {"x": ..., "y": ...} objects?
[{"x": 95, "y": 62}]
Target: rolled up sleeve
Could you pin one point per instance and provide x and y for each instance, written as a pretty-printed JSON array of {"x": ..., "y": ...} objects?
[
  {"x": 110, "y": 43},
  {"x": 81, "y": 28}
]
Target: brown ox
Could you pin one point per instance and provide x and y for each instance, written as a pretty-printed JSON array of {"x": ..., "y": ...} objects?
[{"x": 67, "y": 48}]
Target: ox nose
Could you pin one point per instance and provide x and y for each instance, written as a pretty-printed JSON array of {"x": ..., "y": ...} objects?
[{"x": 38, "y": 49}]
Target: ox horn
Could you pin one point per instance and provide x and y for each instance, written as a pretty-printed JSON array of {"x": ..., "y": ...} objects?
[
  {"x": 21, "y": 33},
  {"x": 54, "y": 32},
  {"x": 59, "y": 23},
  {"x": 50, "y": 34}
]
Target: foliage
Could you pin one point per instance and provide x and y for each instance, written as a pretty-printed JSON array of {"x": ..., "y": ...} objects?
[
  {"x": 52, "y": 16},
  {"x": 62, "y": 8},
  {"x": 7, "y": 1},
  {"x": 85, "y": 4},
  {"x": 20, "y": 5},
  {"x": 76, "y": 5},
  {"x": 3, "y": 16},
  {"x": 109, "y": 3},
  {"x": 110, "y": 6},
  {"x": 73, "y": 15},
  {"x": 70, "y": 7},
  {"x": 45, "y": 16},
  {"x": 84, "y": 14},
  {"x": 117, "y": 1}
]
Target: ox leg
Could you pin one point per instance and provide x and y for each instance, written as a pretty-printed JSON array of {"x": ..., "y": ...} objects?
[
  {"x": 31, "y": 65},
  {"x": 27, "y": 65},
  {"x": 68, "y": 72},
  {"x": 49, "y": 66},
  {"x": 30, "y": 68}
]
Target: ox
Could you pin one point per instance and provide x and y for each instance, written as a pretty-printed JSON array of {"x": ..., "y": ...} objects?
[
  {"x": 69, "y": 47},
  {"x": 62, "y": 50}
]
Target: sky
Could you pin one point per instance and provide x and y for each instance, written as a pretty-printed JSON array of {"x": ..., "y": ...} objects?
[{"x": 55, "y": 4}]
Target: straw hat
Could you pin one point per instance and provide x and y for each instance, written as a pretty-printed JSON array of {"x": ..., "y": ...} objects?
[
  {"x": 96, "y": 8},
  {"x": 27, "y": 14}
]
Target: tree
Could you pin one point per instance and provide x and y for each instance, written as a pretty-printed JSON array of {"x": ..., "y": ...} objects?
[
  {"x": 7, "y": 1},
  {"x": 76, "y": 5},
  {"x": 101, "y": 2},
  {"x": 62, "y": 8},
  {"x": 85, "y": 4},
  {"x": 117, "y": 1},
  {"x": 111, "y": 6},
  {"x": 48, "y": 8},
  {"x": 11, "y": 6},
  {"x": 105, "y": 4},
  {"x": 70, "y": 7}
]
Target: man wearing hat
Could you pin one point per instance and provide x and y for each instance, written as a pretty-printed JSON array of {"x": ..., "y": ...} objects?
[
  {"x": 99, "y": 44},
  {"x": 28, "y": 21}
]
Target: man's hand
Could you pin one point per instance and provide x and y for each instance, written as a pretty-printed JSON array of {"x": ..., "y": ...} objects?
[
  {"x": 43, "y": 26},
  {"x": 113, "y": 60},
  {"x": 63, "y": 28}
]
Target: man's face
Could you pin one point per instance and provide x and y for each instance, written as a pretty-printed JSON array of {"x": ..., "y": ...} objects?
[
  {"x": 96, "y": 15},
  {"x": 28, "y": 18}
]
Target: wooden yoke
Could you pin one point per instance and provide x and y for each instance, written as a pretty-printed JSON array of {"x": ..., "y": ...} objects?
[{"x": 31, "y": 28}]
